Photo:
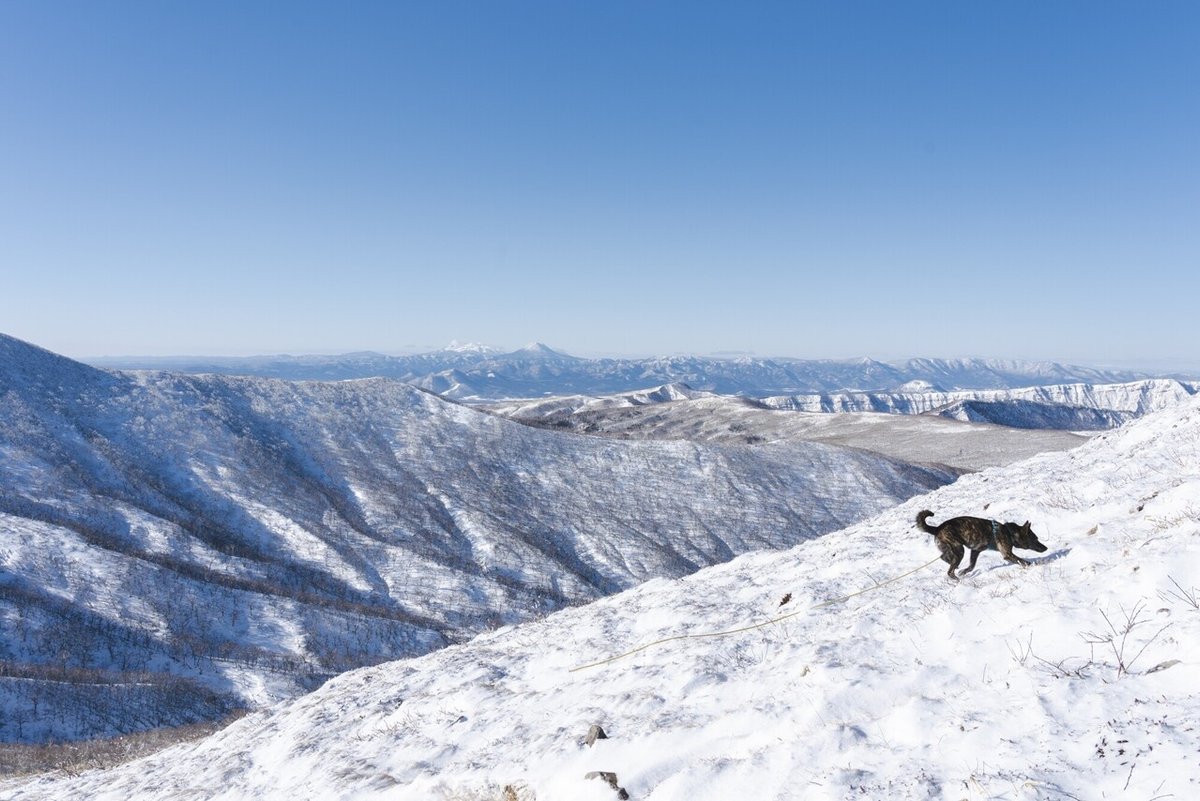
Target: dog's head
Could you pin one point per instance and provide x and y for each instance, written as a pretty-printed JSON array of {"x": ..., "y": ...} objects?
[{"x": 1023, "y": 537}]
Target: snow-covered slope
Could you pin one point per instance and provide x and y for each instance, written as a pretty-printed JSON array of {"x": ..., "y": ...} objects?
[
  {"x": 1134, "y": 398},
  {"x": 478, "y": 373},
  {"x": 1033, "y": 415},
  {"x": 222, "y": 540},
  {"x": 556, "y": 407},
  {"x": 1075, "y": 678},
  {"x": 677, "y": 412}
]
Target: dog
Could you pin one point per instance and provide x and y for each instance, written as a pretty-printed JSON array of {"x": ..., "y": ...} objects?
[{"x": 978, "y": 534}]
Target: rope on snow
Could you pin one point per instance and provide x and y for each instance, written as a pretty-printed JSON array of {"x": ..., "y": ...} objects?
[{"x": 772, "y": 621}]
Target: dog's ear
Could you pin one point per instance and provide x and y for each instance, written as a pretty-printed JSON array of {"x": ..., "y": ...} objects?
[{"x": 1026, "y": 526}]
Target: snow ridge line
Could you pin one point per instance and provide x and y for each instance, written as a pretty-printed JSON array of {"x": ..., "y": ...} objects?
[{"x": 754, "y": 626}]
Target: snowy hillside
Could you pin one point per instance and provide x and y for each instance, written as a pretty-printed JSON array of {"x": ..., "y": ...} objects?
[
  {"x": 171, "y": 546},
  {"x": 483, "y": 373},
  {"x": 1132, "y": 398},
  {"x": 1075, "y": 678},
  {"x": 1033, "y": 415}
]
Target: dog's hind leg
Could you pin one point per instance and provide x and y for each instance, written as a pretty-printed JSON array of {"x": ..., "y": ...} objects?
[
  {"x": 971, "y": 565},
  {"x": 952, "y": 554}
]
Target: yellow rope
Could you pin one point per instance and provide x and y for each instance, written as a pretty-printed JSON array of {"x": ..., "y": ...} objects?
[{"x": 772, "y": 621}]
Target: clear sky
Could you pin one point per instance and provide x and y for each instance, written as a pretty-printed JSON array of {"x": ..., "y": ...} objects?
[{"x": 810, "y": 179}]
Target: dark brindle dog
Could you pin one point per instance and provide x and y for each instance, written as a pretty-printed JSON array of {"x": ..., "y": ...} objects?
[{"x": 980, "y": 535}]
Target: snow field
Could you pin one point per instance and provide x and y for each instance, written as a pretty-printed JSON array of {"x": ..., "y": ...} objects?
[{"x": 1074, "y": 678}]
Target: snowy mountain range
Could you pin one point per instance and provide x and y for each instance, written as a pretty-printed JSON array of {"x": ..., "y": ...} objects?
[
  {"x": 174, "y": 546},
  {"x": 846, "y": 667},
  {"x": 474, "y": 372}
]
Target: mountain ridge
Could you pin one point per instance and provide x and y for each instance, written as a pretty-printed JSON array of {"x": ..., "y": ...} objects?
[{"x": 537, "y": 370}]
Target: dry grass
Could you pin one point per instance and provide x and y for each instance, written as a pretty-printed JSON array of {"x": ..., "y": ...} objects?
[{"x": 77, "y": 757}]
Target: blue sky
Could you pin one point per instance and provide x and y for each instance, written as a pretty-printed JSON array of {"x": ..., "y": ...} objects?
[{"x": 813, "y": 179}]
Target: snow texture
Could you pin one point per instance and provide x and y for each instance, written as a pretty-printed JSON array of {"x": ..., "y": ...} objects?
[{"x": 1074, "y": 678}]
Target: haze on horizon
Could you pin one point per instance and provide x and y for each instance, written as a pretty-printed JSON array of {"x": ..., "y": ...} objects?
[
  {"x": 792, "y": 179},
  {"x": 172, "y": 360}
]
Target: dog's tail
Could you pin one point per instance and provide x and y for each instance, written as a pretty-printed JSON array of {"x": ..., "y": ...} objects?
[{"x": 922, "y": 516}]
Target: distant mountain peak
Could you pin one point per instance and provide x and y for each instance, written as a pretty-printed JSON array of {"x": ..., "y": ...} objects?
[
  {"x": 470, "y": 347},
  {"x": 539, "y": 350}
]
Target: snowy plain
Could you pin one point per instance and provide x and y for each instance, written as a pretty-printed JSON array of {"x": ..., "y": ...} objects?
[
  {"x": 679, "y": 413},
  {"x": 1077, "y": 677}
]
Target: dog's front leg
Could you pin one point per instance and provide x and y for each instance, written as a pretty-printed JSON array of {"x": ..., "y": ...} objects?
[{"x": 1009, "y": 556}]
